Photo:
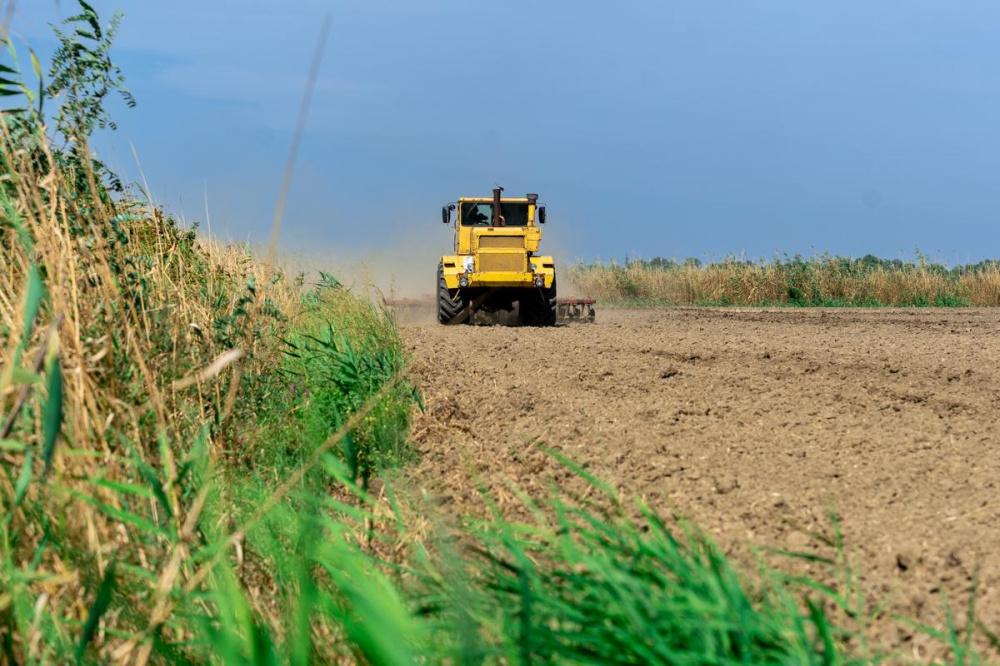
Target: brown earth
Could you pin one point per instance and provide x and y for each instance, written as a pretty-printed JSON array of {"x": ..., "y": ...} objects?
[{"x": 755, "y": 423}]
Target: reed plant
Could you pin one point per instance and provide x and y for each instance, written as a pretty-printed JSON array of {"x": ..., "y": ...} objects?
[
  {"x": 145, "y": 371},
  {"x": 820, "y": 281}
]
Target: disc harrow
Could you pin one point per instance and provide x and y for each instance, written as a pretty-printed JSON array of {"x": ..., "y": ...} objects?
[
  {"x": 568, "y": 310},
  {"x": 575, "y": 310}
]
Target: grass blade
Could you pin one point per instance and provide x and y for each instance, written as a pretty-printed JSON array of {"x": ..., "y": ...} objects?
[
  {"x": 32, "y": 301},
  {"x": 24, "y": 478},
  {"x": 97, "y": 610},
  {"x": 52, "y": 413}
]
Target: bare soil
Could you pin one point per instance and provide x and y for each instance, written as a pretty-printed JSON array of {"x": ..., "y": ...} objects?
[{"x": 754, "y": 423}]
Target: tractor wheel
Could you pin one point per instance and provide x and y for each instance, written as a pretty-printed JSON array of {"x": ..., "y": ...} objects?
[
  {"x": 540, "y": 308},
  {"x": 448, "y": 304}
]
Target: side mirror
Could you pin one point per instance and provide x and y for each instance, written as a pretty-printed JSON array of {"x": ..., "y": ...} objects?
[
  {"x": 446, "y": 214},
  {"x": 541, "y": 214}
]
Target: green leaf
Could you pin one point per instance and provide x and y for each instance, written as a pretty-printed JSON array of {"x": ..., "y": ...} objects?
[
  {"x": 11, "y": 445},
  {"x": 21, "y": 375},
  {"x": 32, "y": 301},
  {"x": 89, "y": 15},
  {"x": 52, "y": 413},
  {"x": 140, "y": 573},
  {"x": 27, "y": 92},
  {"x": 125, "y": 488},
  {"x": 124, "y": 516},
  {"x": 37, "y": 66},
  {"x": 35, "y": 63},
  {"x": 87, "y": 7},
  {"x": 23, "y": 479},
  {"x": 166, "y": 458},
  {"x": 150, "y": 477},
  {"x": 822, "y": 626},
  {"x": 101, "y": 604}
]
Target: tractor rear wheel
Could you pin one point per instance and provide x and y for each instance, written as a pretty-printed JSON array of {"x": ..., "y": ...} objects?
[
  {"x": 449, "y": 305},
  {"x": 539, "y": 309}
]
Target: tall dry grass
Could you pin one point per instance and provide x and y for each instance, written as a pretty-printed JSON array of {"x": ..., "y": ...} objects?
[
  {"x": 123, "y": 340},
  {"x": 164, "y": 400},
  {"x": 831, "y": 281}
]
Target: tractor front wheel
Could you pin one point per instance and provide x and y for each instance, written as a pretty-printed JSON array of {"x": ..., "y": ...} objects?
[
  {"x": 449, "y": 305},
  {"x": 538, "y": 308}
]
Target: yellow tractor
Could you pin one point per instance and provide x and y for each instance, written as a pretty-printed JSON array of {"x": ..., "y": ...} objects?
[{"x": 496, "y": 262}]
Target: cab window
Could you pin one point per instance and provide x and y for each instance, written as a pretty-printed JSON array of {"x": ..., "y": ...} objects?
[
  {"x": 481, "y": 214},
  {"x": 477, "y": 215}
]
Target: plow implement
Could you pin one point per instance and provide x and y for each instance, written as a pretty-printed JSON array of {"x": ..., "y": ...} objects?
[
  {"x": 568, "y": 310},
  {"x": 575, "y": 309}
]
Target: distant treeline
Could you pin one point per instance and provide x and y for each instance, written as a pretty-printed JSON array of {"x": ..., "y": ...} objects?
[{"x": 868, "y": 281}]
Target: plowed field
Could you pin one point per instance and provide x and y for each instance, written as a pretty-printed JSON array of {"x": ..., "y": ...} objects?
[{"x": 753, "y": 423}]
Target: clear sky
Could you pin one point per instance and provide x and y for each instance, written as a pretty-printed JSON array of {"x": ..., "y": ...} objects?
[{"x": 675, "y": 128}]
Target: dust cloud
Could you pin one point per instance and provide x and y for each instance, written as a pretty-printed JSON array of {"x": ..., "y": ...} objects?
[{"x": 403, "y": 267}]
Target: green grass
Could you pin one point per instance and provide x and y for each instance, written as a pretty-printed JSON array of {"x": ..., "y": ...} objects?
[
  {"x": 337, "y": 353},
  {"x": 581, "y": 582}
]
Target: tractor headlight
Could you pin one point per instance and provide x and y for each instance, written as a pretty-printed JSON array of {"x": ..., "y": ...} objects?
[
  {"x": 468, "y": 264},
  {"x": 539, "y": 280},
  {"x": 463, "y": 281}
]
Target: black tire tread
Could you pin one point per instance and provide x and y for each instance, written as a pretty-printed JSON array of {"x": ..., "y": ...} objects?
[
  {"x": 540, "y": 310},
  {"x": 447, "y": 307}
]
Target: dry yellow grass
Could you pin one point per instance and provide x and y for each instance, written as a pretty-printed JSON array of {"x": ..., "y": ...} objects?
[
  {"x": 149, "y": 418},
  {"x": 821, "y": 281},
  {"x": 150, "y": 330}
]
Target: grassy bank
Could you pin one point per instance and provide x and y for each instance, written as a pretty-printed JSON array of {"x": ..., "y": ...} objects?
[
  {"x": 196, "y": 467},
  {"x": 820, "y": 281},
  {"x": 164, "y": 401},
  {"x": 164, "y": 398}
]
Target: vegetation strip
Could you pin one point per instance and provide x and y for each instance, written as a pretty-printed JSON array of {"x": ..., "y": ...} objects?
[{"x": 824, "y": 281}]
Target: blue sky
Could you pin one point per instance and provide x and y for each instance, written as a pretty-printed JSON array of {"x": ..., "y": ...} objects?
[{"x": 675, "y": 128}]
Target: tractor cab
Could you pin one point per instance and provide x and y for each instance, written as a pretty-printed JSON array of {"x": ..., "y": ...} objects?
[{"x": 476, "y": 218}]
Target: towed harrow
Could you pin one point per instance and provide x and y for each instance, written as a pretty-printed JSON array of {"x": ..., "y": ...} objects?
[
  {"x": 575, "y": 309},
  {"x": 568, "y": 310}
]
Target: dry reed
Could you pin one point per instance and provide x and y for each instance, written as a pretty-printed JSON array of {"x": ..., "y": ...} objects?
[{"x": 823, "y": 281}]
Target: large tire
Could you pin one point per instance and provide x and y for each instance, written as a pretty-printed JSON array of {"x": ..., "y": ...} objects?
[
  {"x": 447, "y": 305},
  {"x": 539, "y": 309}
]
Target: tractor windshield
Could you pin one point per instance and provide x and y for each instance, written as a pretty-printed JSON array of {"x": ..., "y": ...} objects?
[{"x": 481, "y": 214}]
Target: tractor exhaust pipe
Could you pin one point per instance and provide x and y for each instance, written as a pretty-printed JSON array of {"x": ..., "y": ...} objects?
[{"x": 498, "y": 220}]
